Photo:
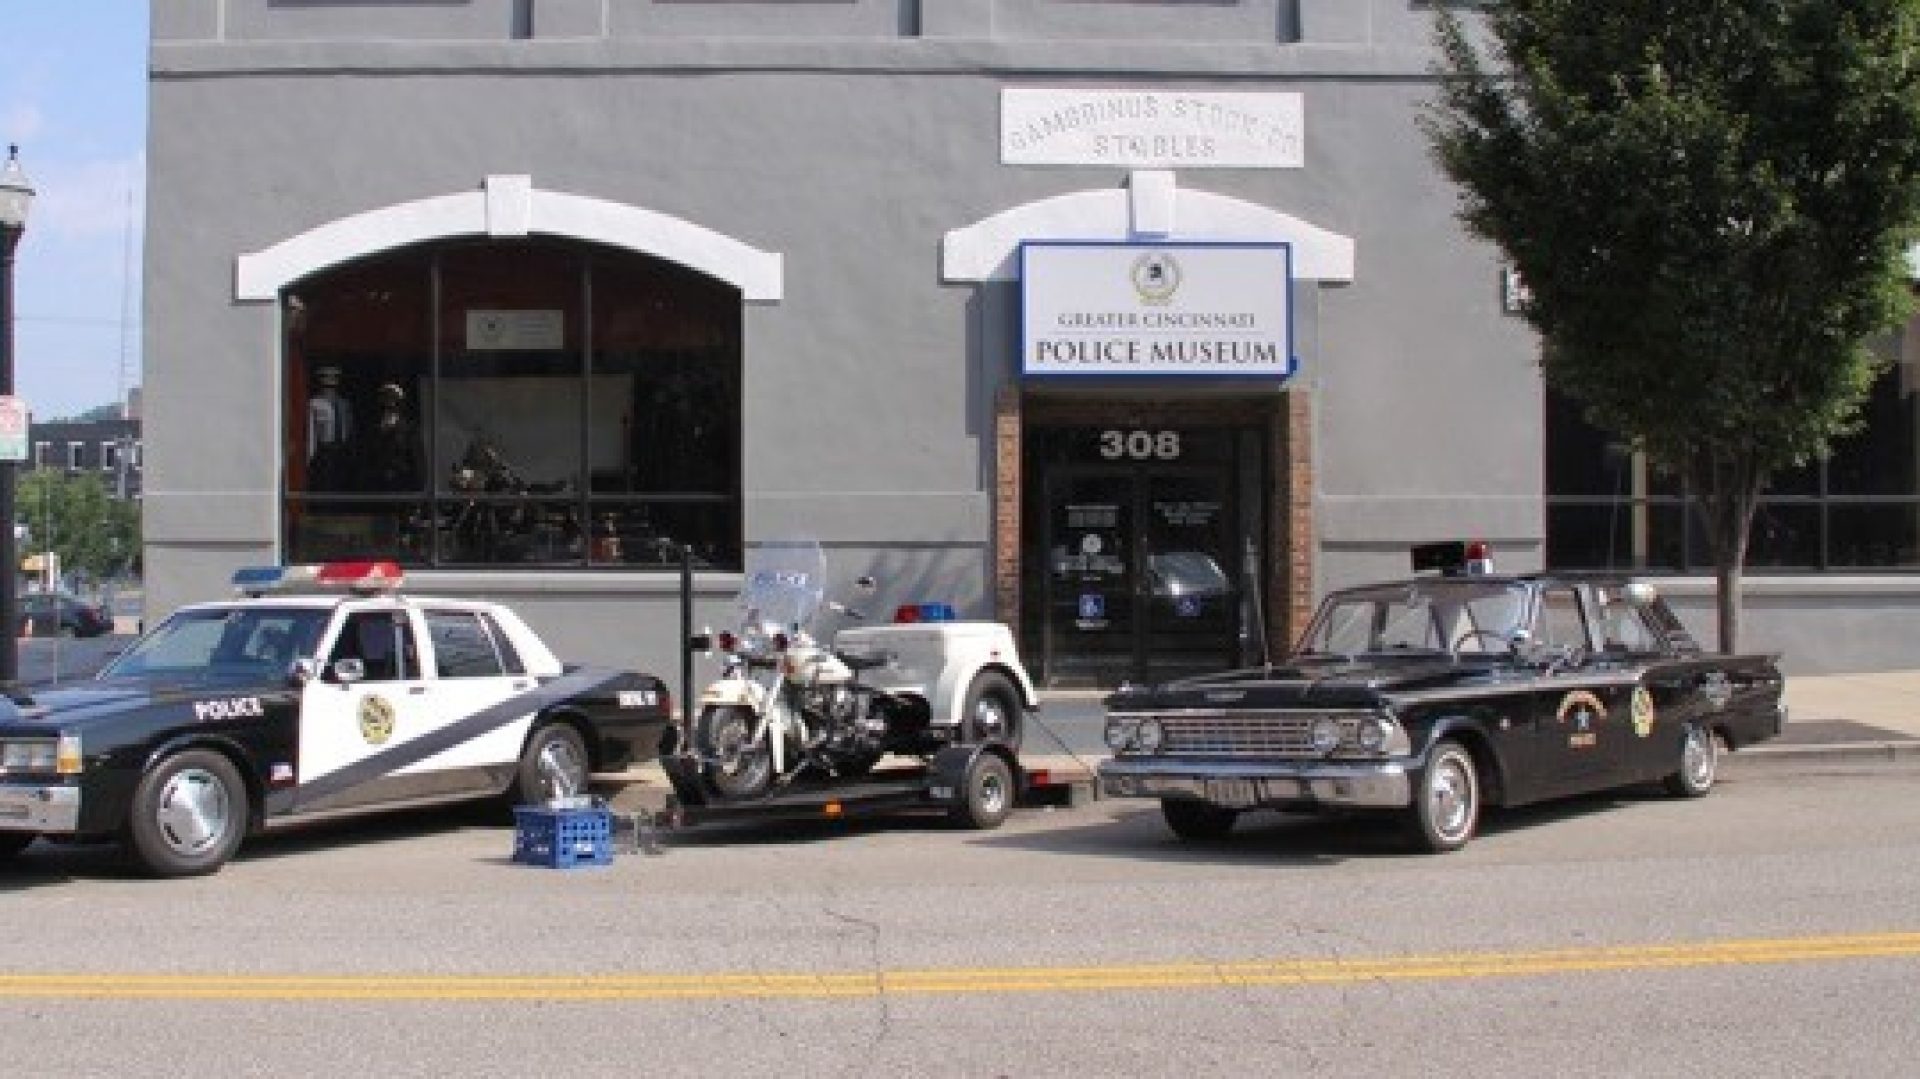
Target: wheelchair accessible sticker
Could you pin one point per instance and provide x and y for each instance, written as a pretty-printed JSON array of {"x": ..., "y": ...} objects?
[{"x": 1093, "y": 611}]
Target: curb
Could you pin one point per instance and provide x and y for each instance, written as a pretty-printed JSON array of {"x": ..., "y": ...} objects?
[{"x": 1882, "y": 752}]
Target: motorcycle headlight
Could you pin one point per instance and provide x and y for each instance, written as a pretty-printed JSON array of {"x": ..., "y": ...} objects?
[{"x": 1326, "y": 734}]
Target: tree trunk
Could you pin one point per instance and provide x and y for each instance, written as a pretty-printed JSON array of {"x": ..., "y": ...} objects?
[{"x": 1729, "y": 487}]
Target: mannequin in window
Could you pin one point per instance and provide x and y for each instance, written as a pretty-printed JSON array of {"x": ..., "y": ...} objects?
[
  {"x": 329, "y": 429},
  {"x": 393, "y": 447}
]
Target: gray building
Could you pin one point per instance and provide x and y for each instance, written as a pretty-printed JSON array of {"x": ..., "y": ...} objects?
[{"x": 1135, "y": 324}]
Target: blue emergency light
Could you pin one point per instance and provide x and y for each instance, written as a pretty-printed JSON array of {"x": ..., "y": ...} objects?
[
  {"x": 363, "y": 578},
  {"x": 924, "y": 612}
]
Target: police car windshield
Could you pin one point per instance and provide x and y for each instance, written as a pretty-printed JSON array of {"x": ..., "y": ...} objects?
[
  {"x": 1440, "y": 614},
  {"x": 223, "y": 642}
]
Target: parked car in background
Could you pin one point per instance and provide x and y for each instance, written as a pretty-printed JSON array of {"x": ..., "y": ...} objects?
[{"x": 59, "y": 614}]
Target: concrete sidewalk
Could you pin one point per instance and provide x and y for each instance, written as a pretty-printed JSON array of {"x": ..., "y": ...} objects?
[{"x": 1874, "y": 714}]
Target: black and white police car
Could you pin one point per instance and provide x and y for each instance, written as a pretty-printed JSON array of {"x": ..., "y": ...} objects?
[{"x": 322, "y": 692}]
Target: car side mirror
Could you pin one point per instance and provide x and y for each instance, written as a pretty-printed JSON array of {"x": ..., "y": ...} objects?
[
  {"x": 303, "y": 670},
  {"x": 349, "y": 670},
  {"x": 700, "y": 642}
]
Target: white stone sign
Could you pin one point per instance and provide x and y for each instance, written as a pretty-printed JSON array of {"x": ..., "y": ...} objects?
[
  {"x": 1152, "y": 129},
  {"x": 1157, "y": 309}
]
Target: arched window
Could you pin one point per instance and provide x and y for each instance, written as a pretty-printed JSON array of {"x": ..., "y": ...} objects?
[{"x": 512, "y": 403}]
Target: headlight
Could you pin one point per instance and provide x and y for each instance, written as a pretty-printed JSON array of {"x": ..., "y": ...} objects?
[
  {"x": 1326, "y": 734},
  {"x": 41, "y": 756},
  {"x": 1119, "y": 735},
  {"x": 1151, "y": 735},
  {"x": 36, "y": 755},
  {"x": 1373, "y": 733}
]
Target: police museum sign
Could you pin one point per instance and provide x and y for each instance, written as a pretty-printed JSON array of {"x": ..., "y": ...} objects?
[
  {"x": 1152, "y": 129},
  {"x": 1157, "y": 309}
]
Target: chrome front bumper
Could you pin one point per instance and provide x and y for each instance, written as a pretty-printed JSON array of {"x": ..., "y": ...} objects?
[
  {"x": 35, "y": 807},
  {"x": 1250, "y": 784}
]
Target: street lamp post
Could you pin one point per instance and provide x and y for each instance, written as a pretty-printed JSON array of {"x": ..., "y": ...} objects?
[{"x": 16, "y": 198}]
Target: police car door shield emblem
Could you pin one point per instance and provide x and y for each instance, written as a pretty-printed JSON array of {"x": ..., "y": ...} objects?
[{"x": 376, "y": 720}]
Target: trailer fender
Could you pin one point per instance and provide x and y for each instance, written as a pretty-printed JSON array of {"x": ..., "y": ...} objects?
[{"x": 948, "y": 769}]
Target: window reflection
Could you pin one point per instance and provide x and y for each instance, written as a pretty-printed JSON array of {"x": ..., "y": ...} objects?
[{"x": 513, "y": 403}]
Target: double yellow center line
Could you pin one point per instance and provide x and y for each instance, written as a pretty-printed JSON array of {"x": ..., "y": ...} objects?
[{"x": 982, "y": 980}]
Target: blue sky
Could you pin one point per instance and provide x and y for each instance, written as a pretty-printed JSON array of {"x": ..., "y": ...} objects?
[{"x": 73, "y": 95}]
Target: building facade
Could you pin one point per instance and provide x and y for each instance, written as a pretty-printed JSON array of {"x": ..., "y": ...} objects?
[
  {"x": 109, "y": 449},
  {"x": 1134, "y": 323}
]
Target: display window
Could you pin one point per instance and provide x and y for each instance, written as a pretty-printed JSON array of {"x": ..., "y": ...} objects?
[
  {"x": 490, "y": 403},
  {"x": 1858, "y": 509}
]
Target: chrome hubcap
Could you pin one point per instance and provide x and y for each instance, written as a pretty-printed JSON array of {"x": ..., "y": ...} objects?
[
  {"x": 561, "y": 769},
  {"x": 1698, "y": 758},
  {"x": 195, "y": 811},
  {"x": 989, "y": 718},
  {"x": 993, "y": 793},
  {"x": 1450, "y": 798}
]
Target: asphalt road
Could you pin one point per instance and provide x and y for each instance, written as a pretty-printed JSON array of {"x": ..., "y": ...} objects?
[{"x": 1770, "y": 929}]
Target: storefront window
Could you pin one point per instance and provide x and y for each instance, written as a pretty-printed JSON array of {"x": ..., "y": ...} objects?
[
  {"x": 486, "y": 404},
  {"x": 1859, "y": 509}
]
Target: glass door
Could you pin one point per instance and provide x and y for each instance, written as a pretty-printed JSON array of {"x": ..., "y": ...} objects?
[
  {"x": 1143, "y": 578},
  {"x": 1191, "y": 607},
  {"x": 1091, "y": 576}
]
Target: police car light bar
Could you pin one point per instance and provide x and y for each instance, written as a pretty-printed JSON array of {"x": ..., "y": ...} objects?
[
  {"x": 361, "y": 578},
  {"x": 1454, "y": 557},
  {"x": 923, "y": 612}
]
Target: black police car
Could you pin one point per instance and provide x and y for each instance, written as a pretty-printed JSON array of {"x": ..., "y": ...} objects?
[
  {"x": 333, "y": 695},
  {"x": 1433, "y": 696}
]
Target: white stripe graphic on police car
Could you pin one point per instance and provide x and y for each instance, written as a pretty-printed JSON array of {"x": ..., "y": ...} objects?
[{"x": 439, "y": 740}]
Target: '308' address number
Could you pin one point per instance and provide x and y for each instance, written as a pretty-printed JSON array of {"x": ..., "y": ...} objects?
[{"x": 1140, "y": 445}]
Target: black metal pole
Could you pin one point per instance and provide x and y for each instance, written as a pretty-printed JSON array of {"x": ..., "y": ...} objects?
[
  {"x": 9, "y": 558},
  {"x": 686, "y": 637}
]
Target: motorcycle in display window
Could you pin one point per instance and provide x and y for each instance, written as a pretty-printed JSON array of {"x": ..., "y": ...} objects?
[{"x": 791, "y": 704}]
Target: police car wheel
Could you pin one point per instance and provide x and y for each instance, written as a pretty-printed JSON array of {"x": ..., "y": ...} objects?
[
  {"x": 189, "y": 814},
  {"x": 1446, "y": 808},
  {"x": 12, "y": 843},
  {"x": 1697, "y": 763},
  {"x": 991, "y": 712},
  {"x": 554, "y": 765}
]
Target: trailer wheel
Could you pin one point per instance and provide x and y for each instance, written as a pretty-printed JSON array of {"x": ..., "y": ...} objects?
[
  {"x": 986, "y": 793},
  {"x": 992, "y": 712}
]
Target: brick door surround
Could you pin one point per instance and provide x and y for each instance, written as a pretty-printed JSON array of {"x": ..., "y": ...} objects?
[{"x": 1286, "y": 420}]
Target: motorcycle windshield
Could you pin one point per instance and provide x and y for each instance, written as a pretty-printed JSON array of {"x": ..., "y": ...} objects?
[{"x": 784, "y": 584}]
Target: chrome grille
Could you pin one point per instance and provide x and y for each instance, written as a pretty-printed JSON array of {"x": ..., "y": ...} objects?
[{"x": 1248, "y": 734}]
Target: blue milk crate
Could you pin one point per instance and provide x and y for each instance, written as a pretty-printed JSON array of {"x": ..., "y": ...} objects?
[{"x": 562, "y": 838}]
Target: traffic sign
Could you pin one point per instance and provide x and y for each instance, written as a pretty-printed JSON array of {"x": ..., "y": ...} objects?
[{"x": 14, "y": 420}]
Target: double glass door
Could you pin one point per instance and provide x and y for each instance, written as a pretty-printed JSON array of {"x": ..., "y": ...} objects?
[{"x": 1145, "y": 572}]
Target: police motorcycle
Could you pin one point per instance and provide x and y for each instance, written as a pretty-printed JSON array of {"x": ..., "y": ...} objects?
[{"x": 790, "y": 706}]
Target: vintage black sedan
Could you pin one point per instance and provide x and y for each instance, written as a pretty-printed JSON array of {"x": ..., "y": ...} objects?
[{"x": 1435, "y": 696}]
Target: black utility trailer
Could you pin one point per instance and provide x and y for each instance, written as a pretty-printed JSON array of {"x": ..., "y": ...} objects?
[{"x": 973, "y": 785}]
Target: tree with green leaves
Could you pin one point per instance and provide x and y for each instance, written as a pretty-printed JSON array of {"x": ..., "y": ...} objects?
[
  {"x": 1710, "y": 203},
  {"x": 75, "y": 517}
]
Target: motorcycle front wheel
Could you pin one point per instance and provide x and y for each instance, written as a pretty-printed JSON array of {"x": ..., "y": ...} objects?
[{"x": 735, "y": 767}]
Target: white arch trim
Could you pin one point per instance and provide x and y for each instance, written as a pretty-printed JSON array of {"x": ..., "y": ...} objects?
[
  {"x": 508, "y": 206},
  {"x": 1150, "y": 208}
]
